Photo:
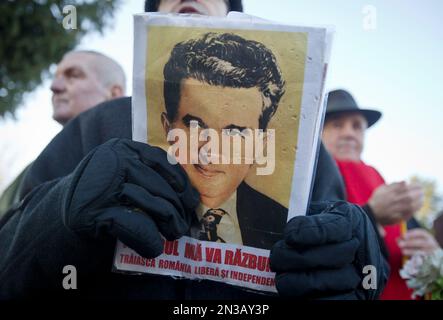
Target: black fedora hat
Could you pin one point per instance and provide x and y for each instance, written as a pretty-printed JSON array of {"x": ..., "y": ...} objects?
[{"x": 341, "y": 101}]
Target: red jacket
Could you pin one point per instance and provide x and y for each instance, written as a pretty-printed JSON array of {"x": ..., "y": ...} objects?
[{"x": 361, "y": 181}]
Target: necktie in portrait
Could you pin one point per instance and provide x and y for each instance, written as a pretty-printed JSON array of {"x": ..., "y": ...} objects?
[
  {"x": 217, "y": 225},
  {"x": 209, "y": 224}
]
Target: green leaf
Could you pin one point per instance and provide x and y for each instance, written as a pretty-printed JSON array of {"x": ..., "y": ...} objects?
[
  {"x": 33, "y": 39},
  {"x": 437, "y": 295}
]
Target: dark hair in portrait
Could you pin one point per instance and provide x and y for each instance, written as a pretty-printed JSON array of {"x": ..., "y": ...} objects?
[{"x": 228, "y": 60}]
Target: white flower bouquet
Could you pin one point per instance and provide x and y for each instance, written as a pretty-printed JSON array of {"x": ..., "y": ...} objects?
[{"x": 424, "y": 274}]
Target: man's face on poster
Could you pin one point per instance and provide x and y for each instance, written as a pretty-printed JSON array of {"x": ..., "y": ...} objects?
[{"x": 217, "y": 108}]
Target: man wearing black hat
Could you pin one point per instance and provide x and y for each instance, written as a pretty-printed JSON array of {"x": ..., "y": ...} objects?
[
  {"x": 389, "y": 204},
  {"x": 343, "y": 136},
  {"x": 343, "y": 113},
  {"x": 109, "y": 187}
]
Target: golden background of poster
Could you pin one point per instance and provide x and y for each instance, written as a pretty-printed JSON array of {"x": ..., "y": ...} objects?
[{"x": 290, "y": 51}]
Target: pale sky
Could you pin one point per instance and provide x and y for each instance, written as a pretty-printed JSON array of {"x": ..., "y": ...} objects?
[{"x": 396, "y": 68}]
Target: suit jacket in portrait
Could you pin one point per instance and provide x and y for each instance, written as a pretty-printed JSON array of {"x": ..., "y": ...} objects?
[{"x": 261, "y": 219}]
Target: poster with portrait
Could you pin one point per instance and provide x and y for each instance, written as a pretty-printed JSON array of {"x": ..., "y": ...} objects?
[{"x": 237, "y": 103}]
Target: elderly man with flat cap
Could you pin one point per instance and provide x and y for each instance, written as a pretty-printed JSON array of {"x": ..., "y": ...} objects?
[{"x": 388, "y": 204}]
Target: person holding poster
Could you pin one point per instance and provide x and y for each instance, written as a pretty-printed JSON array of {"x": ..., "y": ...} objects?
[{"x": 110, "y": 187}]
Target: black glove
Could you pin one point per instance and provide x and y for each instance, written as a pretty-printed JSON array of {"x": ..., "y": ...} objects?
[
  {"x": 130, "y": 191},
  {"x": 323, "y": 254}
]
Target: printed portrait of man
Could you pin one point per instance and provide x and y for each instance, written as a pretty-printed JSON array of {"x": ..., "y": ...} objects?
[
  {"x": 225, "y": 82},
  {"x": 233, "y": 83}
]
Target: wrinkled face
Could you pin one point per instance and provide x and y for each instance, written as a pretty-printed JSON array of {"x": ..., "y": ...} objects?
[
  {"x": 216, "y": 8},
  {"x": 343, "y": 136},
  {"x": 217, "y": 108},
  {"x": 76, "y": 87}
]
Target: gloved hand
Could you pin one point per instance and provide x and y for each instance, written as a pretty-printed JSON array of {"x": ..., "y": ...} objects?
[
  {"x": 129, "y": 190},
  {"x": 323, "y": 254},
  {"x": 392, "y": 203}
]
